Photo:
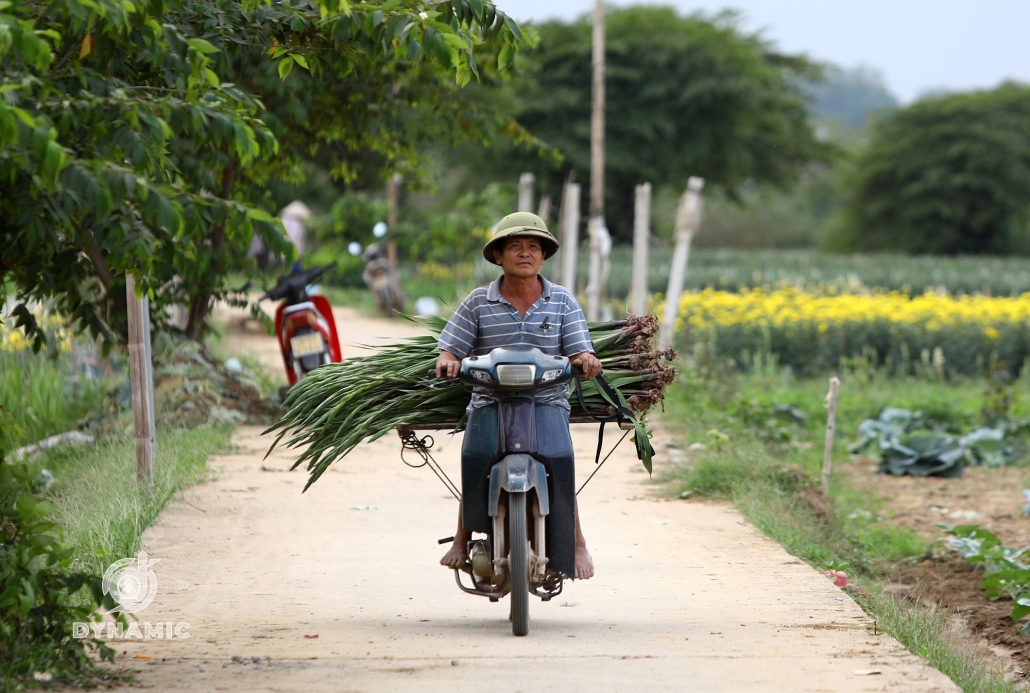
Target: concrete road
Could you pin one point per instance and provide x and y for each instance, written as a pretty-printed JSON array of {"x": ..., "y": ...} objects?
[{"x": 338, "y": 589}]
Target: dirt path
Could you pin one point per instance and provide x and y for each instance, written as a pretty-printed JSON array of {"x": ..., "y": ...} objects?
[{"x": 687, "y": 596}]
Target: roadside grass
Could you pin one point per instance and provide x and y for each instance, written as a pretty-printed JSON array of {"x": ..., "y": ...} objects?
[
  {"x": 768, "y": 465},
  {"x": 96, "y": 497},
  {"x": 45, "y": 395}
]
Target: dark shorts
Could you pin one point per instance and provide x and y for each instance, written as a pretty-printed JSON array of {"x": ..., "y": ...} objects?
[{"x": 479, "y": 452}]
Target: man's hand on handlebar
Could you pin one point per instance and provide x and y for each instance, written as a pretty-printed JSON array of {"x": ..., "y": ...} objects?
[
  {"x": 447, "y": 365},
  {"x": 586, "y": 362}
]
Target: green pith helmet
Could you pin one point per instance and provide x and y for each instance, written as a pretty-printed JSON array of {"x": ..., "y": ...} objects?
[{"x": 520, "y": 224}]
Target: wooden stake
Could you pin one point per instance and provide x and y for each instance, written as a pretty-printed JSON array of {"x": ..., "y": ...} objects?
[
  {"x": 688, "y": 219},
  {"x": 570, "y": 236},
  {"x": 641, "y": 239},
  {"x": 831, "y": 428},
  {"x": 141, "y": 372}
]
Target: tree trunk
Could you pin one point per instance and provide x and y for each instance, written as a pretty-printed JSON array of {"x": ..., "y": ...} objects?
[
  {"x": 201, "y": 302},
  {"x": 96, "y": 257}
]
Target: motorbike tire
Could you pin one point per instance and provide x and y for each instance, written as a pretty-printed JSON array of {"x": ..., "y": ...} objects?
[{"x": 518, "y": 563}]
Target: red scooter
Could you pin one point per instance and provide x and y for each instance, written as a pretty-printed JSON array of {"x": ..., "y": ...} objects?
[{"x": 304, "y": 324}]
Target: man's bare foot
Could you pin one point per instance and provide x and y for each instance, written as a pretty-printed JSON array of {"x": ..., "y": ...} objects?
[
  {"x": 584, "y": 564},
  {"x": 456, "y": 556}
]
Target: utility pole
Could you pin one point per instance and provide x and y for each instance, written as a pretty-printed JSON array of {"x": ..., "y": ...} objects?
[{"x": 596, "y": 166}]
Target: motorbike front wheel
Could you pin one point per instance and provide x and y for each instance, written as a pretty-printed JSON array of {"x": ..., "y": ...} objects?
[{"x": 518, "y": 563}]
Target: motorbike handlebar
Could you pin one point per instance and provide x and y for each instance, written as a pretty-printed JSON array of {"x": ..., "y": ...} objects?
[
  {"x": 576, "y": 370},
  {"x": 295, "y": 282}
]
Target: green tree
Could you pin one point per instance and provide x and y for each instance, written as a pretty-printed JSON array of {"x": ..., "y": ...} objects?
[
  {"x": 131, "y": 139},
  {"x": 684, "y": 96},
  {"x": 949, "y": 174}
]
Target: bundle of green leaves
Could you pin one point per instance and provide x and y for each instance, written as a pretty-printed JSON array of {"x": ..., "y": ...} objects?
[{"x": 338, "y": 406}]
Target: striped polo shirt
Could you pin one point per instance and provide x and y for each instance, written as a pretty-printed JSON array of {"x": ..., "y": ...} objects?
[{"x": 485, "y": 320}]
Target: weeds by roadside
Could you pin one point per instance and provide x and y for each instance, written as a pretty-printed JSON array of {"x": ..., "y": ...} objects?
[
  {"x": 45, "y": 395},
  {"x": 97, "y": 500},
  {"x": 67, "y": 515},
  {"x": 767, "y": 464}
]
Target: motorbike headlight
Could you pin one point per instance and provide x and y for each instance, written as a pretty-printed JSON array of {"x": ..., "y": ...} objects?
[
  {"x": 550, "y": 375},
  {"x": 516, "y": 375},
  {"x": 481, "y": 375}
]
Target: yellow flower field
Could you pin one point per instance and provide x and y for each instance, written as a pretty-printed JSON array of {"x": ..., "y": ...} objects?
[{"x": 812, "y": 331}]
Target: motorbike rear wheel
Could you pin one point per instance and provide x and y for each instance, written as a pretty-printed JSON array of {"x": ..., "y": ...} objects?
[{"x": 518, "y": 563}]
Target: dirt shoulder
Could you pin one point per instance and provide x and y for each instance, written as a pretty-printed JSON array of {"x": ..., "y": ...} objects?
[
  {"x": 989, "y": 497},
  {"x": 687, "y": 594}
]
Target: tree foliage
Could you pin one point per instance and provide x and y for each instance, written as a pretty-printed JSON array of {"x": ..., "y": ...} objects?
[
  {"x": 684, "y": 96},
  {"x": 39, "y": 581},
  {"x": 949, "y": 174},
  {"x": 133, "y": 139}
]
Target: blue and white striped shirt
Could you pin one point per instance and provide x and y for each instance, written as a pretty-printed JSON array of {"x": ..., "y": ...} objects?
[{"x": 485, "y": 320}]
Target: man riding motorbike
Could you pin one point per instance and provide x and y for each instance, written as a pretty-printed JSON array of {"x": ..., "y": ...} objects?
[{"x": 520, "y": 308}]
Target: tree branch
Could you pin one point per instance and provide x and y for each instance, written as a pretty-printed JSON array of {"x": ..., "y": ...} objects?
[{"x": 96, "y": 257}]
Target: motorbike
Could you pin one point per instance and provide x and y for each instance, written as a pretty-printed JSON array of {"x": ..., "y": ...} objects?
[
  {"x": 380, "y": 277},
  {"x": 304, "y": 324},
  {"x": 514, "y": 557}
]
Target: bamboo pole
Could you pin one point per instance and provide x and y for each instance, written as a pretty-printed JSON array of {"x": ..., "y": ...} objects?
[
  {"x": 596, "y": 166},
  {"x": 570, "y": 236},
  {"x": 641, "y": 238},
  {"x": 831, "y": 429},
  {"x": 141, "y": 372},
  {"x": 526, "y": 181},
  {"x": 688, "y": 218}
]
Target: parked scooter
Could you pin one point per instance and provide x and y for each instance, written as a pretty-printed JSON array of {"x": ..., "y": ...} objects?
[
  {"x": 304, "y": 324},
  {"x": 521, "y": 487}
]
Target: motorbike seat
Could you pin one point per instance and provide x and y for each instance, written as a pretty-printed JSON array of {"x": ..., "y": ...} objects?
[{"x": 299, "y": 307}]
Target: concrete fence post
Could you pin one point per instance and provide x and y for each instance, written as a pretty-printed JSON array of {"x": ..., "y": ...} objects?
[
  {"x": 688, "y": 219},
  {"x": 641, "y": 242}
]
